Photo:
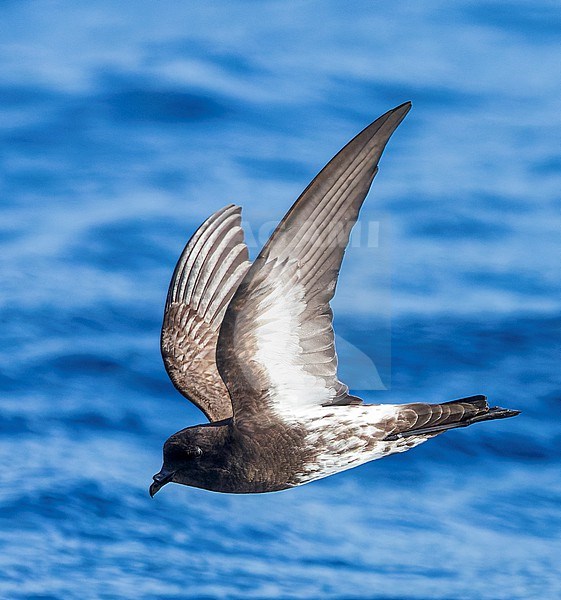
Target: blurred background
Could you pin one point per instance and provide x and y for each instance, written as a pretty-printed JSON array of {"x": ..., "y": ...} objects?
[{"x": 124, "y": 125}]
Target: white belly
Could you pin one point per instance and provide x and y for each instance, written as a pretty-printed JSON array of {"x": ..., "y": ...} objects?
[{"x": 343, "y": 437}]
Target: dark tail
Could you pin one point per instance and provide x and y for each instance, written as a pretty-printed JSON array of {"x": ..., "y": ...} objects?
[{"x": 432, "y": 419}]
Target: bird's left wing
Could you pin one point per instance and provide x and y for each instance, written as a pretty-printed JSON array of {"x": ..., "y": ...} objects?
[
  {"x": 276, "y": 349},
  {"x": 206, "y": 276}
]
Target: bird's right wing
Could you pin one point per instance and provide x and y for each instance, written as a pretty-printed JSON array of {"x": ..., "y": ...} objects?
[
  {"x": 206, "y": 276},
  {"x": 276, "y": 349}
]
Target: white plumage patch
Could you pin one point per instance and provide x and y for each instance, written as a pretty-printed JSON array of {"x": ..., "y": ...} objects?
[
  {"x": 276, "y": 330},
  {"x": 343, "y": 437}
]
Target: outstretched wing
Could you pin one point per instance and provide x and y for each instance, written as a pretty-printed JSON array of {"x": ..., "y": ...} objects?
[
  {"x": 276, "y": 350},
  {"x": 206, "y": 276}
]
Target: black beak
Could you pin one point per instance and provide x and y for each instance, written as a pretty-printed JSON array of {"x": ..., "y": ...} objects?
[{"x": 160, "y": 479}]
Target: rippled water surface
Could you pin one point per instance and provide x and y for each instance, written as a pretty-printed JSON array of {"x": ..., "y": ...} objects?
[{"x": 122, "y": 126}]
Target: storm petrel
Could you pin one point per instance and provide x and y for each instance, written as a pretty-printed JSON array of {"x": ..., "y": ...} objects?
[{"x": 252, "y": 345}]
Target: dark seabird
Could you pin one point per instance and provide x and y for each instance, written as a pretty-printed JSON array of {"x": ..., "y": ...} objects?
[{"x": 252, "y": 346}]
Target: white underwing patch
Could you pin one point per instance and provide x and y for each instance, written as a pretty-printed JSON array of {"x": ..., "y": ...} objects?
[{"x": 277, "y": 333}]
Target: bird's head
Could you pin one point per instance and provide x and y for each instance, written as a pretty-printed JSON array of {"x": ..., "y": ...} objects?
[{"x": 181, "y": 451}]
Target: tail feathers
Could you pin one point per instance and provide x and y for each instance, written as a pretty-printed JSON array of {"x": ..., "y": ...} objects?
[
  {"x": 496, "y": 412},
  {"x": 479, "y": 402},
  {"x": 432, "y": 419}
]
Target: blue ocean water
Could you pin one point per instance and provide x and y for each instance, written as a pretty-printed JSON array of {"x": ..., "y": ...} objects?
[{"x": 123, "y": 126}]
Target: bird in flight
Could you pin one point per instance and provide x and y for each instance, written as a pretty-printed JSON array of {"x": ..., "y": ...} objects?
[{"x": 252, "y": 346}]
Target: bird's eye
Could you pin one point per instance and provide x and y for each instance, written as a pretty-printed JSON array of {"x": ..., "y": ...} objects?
[{"x": 196, "y": 452}]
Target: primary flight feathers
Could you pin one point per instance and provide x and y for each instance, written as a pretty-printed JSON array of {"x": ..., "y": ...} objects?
[{"x": 208, "y": 273}]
